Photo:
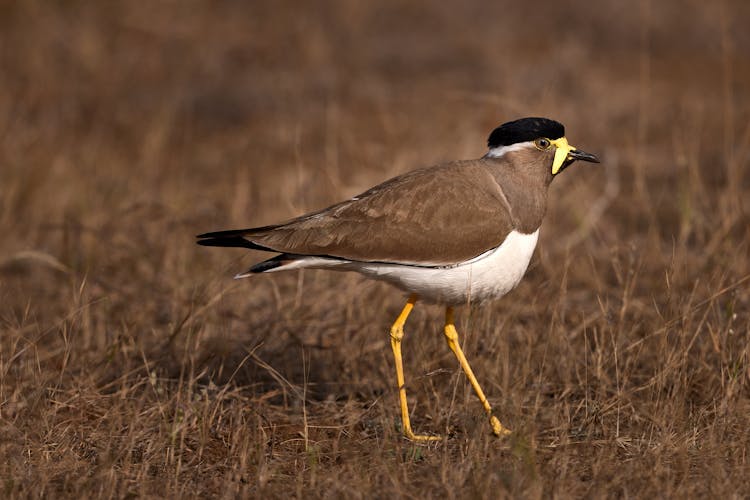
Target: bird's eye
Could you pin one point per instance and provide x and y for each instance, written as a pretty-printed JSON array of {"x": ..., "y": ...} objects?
[{"x": 542, "y": 143}]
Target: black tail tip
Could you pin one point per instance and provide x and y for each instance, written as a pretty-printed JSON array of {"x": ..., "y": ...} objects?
[
  {"x": 266, "y": 265},
  {"x": 207, "y": 240}
]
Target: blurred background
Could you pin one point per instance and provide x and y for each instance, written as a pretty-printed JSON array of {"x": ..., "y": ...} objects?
[{"x": 128, "y": 127}]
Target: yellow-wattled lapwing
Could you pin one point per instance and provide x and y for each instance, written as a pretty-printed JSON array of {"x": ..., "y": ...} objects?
[{"x": 451, "y": 234}]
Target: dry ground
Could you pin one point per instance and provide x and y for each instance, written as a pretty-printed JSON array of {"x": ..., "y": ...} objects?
[{"x": 132, "y": 365}]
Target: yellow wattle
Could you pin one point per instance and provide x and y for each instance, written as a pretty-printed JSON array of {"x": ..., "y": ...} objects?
[{"x": 561, "y": 153}]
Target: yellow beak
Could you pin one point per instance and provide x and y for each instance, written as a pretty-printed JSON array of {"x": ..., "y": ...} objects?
[{"x": 565, "y": 154}]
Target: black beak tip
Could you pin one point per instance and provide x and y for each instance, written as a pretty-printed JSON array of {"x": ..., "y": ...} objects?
[{"x": 584, "y": 156}]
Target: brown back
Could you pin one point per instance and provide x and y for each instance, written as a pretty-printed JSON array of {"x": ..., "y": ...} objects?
[{"x": 440, "y": 215}]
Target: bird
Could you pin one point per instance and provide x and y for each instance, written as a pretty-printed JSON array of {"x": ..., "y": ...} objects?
[{"x": 456, "y": 233}]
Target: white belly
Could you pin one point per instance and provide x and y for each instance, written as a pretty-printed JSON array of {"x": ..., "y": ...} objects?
[{"x": 490, "y": 275}]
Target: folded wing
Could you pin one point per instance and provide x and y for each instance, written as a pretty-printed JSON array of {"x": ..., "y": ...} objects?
[{"x": 436, "y": 216}]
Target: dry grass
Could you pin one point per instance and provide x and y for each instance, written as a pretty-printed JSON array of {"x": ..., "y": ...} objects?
[{"x": 131, "y": 364}]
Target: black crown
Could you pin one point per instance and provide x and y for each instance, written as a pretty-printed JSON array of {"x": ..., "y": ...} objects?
[{"x": 524, "y": 130}]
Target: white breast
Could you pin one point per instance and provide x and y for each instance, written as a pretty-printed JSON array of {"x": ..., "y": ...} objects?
[{"x": 490, "y": 275}]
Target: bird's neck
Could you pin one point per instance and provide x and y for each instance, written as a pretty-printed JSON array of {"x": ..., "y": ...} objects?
[{"x": 526, "y": 192}]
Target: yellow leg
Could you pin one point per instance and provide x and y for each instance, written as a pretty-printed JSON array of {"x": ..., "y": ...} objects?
[
  {"x": 451, "y": 336},
  {"x": 397, "y": 333}
]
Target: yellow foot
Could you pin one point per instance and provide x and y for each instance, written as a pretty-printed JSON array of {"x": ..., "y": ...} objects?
[
  {"x": 497, "y": 428},
  {"x": 421, "y": 438}
]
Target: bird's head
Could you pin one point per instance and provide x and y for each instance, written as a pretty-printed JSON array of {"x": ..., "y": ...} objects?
[{"x": 541, "y": 137}]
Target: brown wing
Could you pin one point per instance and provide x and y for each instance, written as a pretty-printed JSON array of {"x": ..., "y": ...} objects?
[{"x": 439, "y": 215}]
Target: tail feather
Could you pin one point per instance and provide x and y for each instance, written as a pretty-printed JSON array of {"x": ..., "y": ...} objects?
[
  {"x": 280, "y": 262},
  {"x": 234, "y": 238},
  {"x": 267, "y": 265},
  {"x": 236, "y": 232}
]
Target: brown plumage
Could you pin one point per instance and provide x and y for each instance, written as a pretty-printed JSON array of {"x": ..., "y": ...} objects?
[
  {"x": 454, "y": 233},
  {"x": 437, "y": 216}
]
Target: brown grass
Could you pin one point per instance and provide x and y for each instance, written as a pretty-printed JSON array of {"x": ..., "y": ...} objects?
[{"x": 132, "y": 365}]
